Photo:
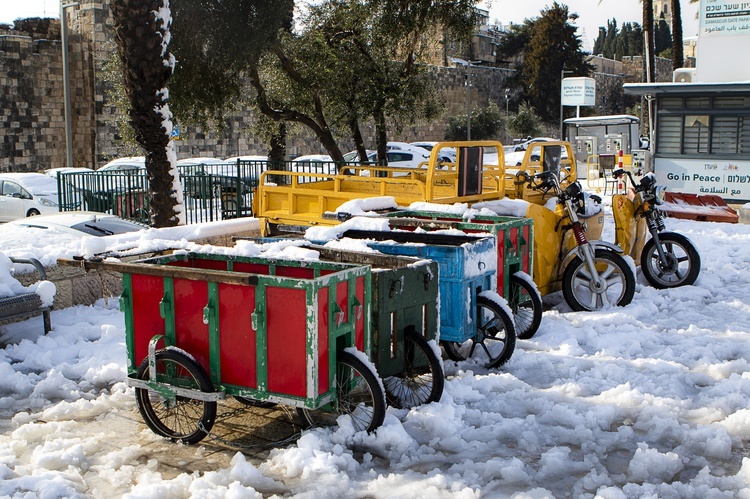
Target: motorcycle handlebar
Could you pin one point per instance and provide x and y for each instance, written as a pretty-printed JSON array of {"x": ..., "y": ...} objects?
[{"x": 620, "y": 172}]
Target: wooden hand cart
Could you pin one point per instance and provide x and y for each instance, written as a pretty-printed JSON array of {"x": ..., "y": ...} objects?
[
  {"x": 202, "y": 326},
  {"x": 471, "y": 312}
]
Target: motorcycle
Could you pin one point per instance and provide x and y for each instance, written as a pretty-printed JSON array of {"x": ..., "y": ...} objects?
[
  {"x": 667, "y": 259},
  {"x": 591, "y": 272}
]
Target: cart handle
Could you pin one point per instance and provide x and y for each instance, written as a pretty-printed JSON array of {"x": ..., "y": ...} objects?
[{"x": 222, "y": 276}]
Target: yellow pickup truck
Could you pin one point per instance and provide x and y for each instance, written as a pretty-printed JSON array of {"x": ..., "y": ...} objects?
[
  {"x": 480, "y": 173},
  {"x": 305, "y": 199}
]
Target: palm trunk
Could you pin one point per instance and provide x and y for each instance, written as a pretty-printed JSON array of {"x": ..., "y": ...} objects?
[
  {"x": 146, "y": 71},
  {"x": 678, "y": 57},
  {"x": 648, "y": 33}
]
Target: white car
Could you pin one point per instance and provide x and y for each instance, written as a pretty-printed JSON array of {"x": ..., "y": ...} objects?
[
  {"x": 522, "y": 146},
  {"x": 314, "y": 163},
  {"x": 52, "y": 172},
  {"x": 27, "y": 194},
  {"x": 125, "y": 164},
  {"x": 516, "y": 158},
  {"x": 447, "y": 154},
  {"x": 234, "y": 159},
  {"x": 399, "y": 154},
  {"x": 80, "y": 223}
]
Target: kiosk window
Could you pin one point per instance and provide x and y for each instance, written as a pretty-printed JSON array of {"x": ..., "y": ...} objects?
[{"x": 696, "y": 134}]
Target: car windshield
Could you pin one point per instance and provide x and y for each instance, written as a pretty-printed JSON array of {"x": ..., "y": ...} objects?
[
  {"x": 107, "y": 226},
  {"x": 39, "y": 184}
]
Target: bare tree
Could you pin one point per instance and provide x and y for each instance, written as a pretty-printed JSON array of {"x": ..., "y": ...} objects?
[{"x": 142, "y": 35}]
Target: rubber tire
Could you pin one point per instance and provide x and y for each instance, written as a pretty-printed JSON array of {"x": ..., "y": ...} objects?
[
  {"x": 33, "y": 213},
  {"x": 201, "y": 414},
  {"x": 610, "y": 258},
  {"x": 650, "y": 260},
  {"x": 452, "y": 349},
  {"x": 415, "y": 392},
  {"x": 323, "y": 417},
  {"x": 524, "y": 297}
]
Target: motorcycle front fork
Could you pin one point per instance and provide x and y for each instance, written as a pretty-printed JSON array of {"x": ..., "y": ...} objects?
[{"x": 586, "y": 251}]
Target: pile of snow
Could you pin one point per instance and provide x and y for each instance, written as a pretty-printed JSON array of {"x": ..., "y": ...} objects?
[
  {"x": 9, "y": 285},
  {"x": 647, "y": 400}
]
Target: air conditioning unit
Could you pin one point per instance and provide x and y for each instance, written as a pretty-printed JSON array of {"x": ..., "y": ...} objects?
[{"x": 684, "y": 75}]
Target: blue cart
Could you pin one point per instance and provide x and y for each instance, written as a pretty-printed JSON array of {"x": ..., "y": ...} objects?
[{"x": 471, "y": 312}]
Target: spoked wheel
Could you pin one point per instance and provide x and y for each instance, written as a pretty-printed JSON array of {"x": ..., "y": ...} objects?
[
  {"x": 422, "y": 379},
  {"x": 526, "y": 304},
  {"x": 359, "y": 395},
  {"x": 496, "y": 336},
  {"x": 616, "y": 284},
  {"x": 682, "y": 266},
  {"x": 183, "y": 420}
]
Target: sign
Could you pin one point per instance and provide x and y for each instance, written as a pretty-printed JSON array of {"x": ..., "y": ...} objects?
[
  {"x": 728, "y": 179},
  {"x": 724, "y": 17},
  {"x": 175, "y": 132},
  {"x": 578, "y": 91}
]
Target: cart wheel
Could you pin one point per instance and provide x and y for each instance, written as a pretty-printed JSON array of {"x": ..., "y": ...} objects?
[
  {"x": 526, "y": 304},
  {"x": 255, "y": 403},
  {"x": 359, "y": 395},
  {"x": 185, "y": 420},
  {"x": 422, "y": 379},
  {"x": 496, "y": 334}
]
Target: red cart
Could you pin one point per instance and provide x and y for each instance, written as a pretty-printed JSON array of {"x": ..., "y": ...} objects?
[{"x": 201, "y": 327}]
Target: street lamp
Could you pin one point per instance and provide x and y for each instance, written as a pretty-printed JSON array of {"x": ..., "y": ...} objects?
[
  {"x": 468, "y": 101},
  {"x": 562, "y": 77},
  {"x": 66, "y": 82},
  {"x": 507, "y": 101}
]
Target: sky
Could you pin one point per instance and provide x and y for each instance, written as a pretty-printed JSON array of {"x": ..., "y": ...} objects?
[
  {"x": 646, "y": 400},
  {"x": 593, "y": 13}
]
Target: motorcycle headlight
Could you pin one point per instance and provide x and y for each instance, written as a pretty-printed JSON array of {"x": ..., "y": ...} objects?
[
  {"x": 47, "y": 202},
  {"x": 573, "y": 190}
]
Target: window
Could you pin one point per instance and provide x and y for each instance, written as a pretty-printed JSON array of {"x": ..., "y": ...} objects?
[
  {"x": 11, "y": 188},
  {"x": 724, "y": 134},
  {"x": 695, "y": 135},
  {"x": 704, "y": 125}
]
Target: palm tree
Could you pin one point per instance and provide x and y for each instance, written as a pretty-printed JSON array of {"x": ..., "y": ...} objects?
[
  {"x": 142, "y": 35},
  {"x": 648, "y": 32},
  {"x": 678, "y": 57}
]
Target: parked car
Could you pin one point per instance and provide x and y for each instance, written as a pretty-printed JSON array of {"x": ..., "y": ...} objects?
[
  {"x": 447, "y": 154},
  {"x": 233, "y": 159},
  {"x": 27, "y": 194},
  {"x": 314, "y": 163},
  {"x": 522, "y": 146},
  {"x": 399, "y": 155},
  {"x": 205, "y": 177},
  {"x": 516, "y": 158},
  {"x": 81, "y": 223},
  {"x": 124, "y": 164},
  {"x": 52, "y": 172}
]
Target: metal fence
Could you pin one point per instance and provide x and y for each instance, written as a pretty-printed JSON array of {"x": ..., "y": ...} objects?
[{"x": 211, "y": 191}]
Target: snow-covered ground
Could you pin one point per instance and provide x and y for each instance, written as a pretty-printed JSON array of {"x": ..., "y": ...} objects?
[{"x": 647, "y": 400}]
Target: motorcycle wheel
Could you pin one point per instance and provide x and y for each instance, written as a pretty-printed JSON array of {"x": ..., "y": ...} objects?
[
  {"x": 580, "y": 291},
  {"x": 683, "y": 261}
]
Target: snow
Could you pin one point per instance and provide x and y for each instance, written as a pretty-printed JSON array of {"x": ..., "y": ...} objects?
[
  {"x": 647, "y": 400},
  {"x": 9, "y": 285}
]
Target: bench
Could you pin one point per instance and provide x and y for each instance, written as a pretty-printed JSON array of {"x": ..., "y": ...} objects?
[{"x": 26, "y": 304}]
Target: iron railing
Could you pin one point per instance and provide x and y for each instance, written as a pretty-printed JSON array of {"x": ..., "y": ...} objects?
[{"x": 211, "y": 191}]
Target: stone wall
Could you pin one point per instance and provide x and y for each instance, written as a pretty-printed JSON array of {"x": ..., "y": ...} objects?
[{"x": 32, "y": 121}]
